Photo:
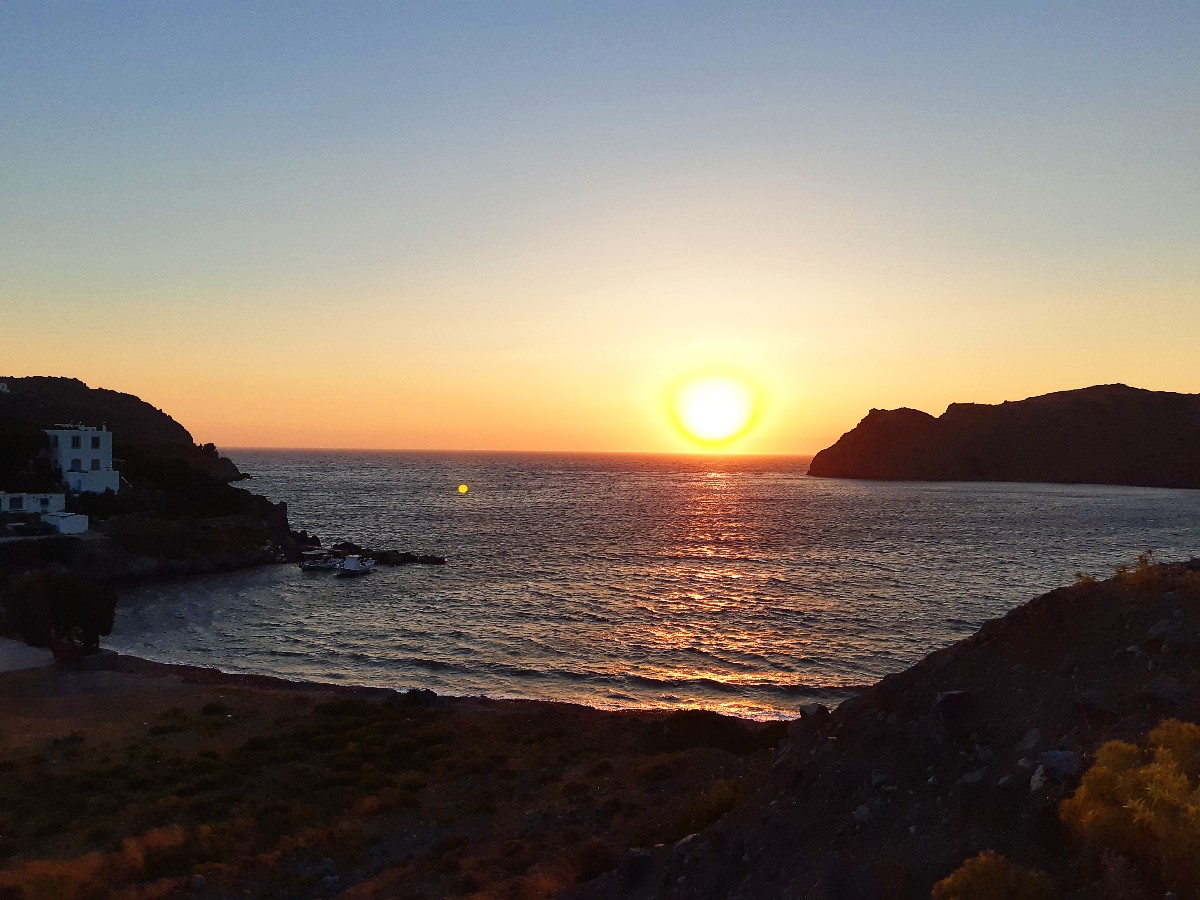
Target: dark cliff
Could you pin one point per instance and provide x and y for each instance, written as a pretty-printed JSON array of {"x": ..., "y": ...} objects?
[
  {"x": 1107, "y": 434},
  {"x": 141, "y": 433}
]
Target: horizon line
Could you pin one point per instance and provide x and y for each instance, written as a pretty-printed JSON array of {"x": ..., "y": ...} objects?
[{"x": 699, "y": 453}]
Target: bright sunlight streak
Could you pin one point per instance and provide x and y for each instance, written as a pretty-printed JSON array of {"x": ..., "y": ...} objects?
[{"x": 714, "y": 409}]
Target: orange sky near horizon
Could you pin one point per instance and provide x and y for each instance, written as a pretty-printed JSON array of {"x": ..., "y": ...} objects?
[{"x": 409, "y": 227}]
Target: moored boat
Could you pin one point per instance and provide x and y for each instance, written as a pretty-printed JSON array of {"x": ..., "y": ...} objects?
[
  {"x": 317, "y": 561},
  {"x": 355, "y": 565}
]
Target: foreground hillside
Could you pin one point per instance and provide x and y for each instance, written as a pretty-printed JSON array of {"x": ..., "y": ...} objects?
[
  {"x": 971, "y": 749},
  {"x": 158, "y": 781},
  {"x": 1108, "y": 434}
]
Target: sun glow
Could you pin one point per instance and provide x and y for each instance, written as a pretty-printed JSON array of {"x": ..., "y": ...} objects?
[{"x": 715, "y": 409}]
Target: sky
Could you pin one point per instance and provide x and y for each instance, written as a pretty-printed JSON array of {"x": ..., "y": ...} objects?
[{"x": 522, "y": 226}]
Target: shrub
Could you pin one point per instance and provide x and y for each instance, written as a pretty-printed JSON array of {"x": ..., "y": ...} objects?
[
  {"x": 707, "y": 808},
  {"x": 1143, "y": 576},
  {"x": 1143, "y": 803},
  {"x": 989, "y": 876},
  {"x": 47, "y": 607}
]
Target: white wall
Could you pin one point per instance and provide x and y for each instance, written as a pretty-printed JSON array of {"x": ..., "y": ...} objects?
[
  {"x": 32, "y": 502},
  {"x": 67, "y": 523},
  {"x": 84, "y": 457}
]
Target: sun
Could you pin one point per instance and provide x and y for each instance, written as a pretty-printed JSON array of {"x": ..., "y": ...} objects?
[{"x": 714, "y": 409}]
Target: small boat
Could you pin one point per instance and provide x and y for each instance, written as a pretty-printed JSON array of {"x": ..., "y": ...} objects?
[
  {"x": 355, "y": 565},
  {"x": 317, "y": 561}
]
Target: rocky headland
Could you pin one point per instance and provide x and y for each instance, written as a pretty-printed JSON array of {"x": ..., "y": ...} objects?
[
  {"x": 1107, "y": 434},
  {"x": 176, "y": 512}
]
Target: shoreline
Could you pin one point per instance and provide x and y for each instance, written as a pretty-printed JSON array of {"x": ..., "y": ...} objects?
[{"x": 215, "y": 675}]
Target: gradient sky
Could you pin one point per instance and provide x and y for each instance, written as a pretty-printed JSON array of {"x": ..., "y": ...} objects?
[{"x": 516, "y": 225}]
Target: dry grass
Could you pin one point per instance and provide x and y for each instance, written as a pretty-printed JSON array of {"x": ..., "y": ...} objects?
[
  {"x": 989, "y": 876},
  {"x": 1141, "y": 804},
  {"x": 446, "y": 799}
]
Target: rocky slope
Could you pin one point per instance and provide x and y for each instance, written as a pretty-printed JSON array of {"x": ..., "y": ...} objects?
[
  {"x": 971, "y": 749},
  {"x": 1107, "y": 434}
]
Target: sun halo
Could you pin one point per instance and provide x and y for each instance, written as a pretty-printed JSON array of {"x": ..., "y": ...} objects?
[{"x": 714, "y": 409}]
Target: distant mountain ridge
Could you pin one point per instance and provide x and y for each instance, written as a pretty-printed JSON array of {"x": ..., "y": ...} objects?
[{"x": 1106, "y": 434}]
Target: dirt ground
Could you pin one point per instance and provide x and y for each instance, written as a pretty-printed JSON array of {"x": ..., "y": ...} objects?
[{"x": 158, "y": 781}]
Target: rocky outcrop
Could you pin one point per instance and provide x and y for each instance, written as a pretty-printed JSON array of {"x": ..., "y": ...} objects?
[
  {"x": 1108, "y": 434},
  {"x": 388, "y": 557}
]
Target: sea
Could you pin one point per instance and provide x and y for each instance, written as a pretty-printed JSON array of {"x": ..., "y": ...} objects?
[{"x": 733, "y": 583}]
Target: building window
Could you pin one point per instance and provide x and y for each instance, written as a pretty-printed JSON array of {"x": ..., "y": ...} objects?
[
  {"x": 96, "y": 442},
  {"x": 95, "y": 465},
  {"x": 76, "y": 442},
  {"x": 16, "y": 503},
  {"x": 77, "y": 465},
  {"x": 54, "y": 440}
]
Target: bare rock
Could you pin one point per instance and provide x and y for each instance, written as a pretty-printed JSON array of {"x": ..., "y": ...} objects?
[{"x": 1059, "y": 765}]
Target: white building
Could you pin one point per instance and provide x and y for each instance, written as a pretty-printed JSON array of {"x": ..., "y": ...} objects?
[
  {"x": 31, "y": 502},
  {"x": 48, "y": 507},
  {"x": 83, "y": 454}
]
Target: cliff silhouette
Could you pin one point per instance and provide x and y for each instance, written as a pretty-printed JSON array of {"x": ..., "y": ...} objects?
[
  {"x": 1106, "y": 434},
  {"x": 140, "y": 431}
]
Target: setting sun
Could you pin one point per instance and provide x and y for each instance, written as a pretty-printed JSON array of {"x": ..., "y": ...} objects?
[{"x": 714, "y": 409}]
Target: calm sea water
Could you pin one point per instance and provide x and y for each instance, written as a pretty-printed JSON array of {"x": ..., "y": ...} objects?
[{"x": 737, "y": 584}]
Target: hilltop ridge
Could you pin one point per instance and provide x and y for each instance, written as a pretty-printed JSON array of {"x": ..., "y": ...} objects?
[
  {"x": 140, "y": 430},
  {"x": 1104, "y": 434}
]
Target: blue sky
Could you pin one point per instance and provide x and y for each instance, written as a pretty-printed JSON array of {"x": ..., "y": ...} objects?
[{"x": 543, "y": 213}]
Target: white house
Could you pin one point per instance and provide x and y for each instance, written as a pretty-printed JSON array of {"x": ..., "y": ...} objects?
[
  {"x": 83, "y": 454},
  {"x": 49, "y": 507},
  {"x": 31, "y": 502}
]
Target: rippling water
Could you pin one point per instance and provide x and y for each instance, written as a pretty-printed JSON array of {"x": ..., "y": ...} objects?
[{"x": 737, "y": 584}]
